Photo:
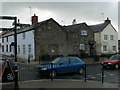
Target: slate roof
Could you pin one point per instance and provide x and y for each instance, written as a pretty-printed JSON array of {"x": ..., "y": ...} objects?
[
  {"x": 99, "y": 27},
  {"x": 32, "y": 27},
  {"x": 72, "y": 28}
]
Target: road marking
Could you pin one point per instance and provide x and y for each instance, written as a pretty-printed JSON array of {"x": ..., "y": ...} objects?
[
  {"x": 93, "y": 77},
  {"x": 112, "y": 74},
  {"x": 98, "y": 74}
]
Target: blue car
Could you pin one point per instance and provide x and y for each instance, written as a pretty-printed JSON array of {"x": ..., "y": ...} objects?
[{"x": 62, "y": 65}]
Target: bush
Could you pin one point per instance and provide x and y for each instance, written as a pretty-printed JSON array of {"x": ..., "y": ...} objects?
[{"x": 105, "y": 55}]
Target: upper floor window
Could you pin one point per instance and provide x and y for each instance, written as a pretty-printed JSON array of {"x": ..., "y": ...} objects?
[
  {"x": 104, "y": 48},
  {"x": 7, "y": 39},
  {"x": 2, "y": 40},
  {"x": 105, "y": 37},
  {"x": 23, "y": 35},
  {"x": 6, "y": 48},
  {"x": 111, "y": 37},
  {"x": 84, "y": 32}
]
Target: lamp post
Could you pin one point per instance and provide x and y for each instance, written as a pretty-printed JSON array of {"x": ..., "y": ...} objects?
[{"x": 15, "y": 45}]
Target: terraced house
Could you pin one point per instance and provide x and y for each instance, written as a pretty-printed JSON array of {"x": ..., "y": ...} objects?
[
  {"x": 49, "y": 38},
  {"x": 106, "y": 38}
]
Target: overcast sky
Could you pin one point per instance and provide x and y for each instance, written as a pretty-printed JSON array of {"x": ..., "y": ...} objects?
[{"x": 63, "y": 12}]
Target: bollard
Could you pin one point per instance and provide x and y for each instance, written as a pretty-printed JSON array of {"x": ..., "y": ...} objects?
[
  {"x": 102, "y": 74},
  {"x": 85, "y": 72}
]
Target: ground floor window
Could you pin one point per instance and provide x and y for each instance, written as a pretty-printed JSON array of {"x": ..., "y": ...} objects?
[
  {"x": 104, "y": 48},
  {"x": 114, "y": 48}
]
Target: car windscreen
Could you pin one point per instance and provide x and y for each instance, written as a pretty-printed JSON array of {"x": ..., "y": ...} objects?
[
  {"x": 57, "y": 60},
  {"x": 114, "y": 58}
]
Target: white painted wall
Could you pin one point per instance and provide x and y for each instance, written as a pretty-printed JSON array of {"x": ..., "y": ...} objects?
[
  {"x": 0, "y": 46},
  {"x": 110, "y": 43},
  {"x": 29, "y": 40}
]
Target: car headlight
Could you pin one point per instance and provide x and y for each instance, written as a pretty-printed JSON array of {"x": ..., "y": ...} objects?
[
  {"x": 102, "y": 62},
  {"x": 109, "y": 63},
  {"x": 43, "y": 68}
]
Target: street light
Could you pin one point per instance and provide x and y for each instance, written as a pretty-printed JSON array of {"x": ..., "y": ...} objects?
[{"x": 15, "y": 43}]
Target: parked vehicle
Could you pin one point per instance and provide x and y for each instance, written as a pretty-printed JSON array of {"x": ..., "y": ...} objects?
[
  {"x": 62, "y": 65},
  {"x": 112, "y": 62},
  {"x": 7, "y": 70}
]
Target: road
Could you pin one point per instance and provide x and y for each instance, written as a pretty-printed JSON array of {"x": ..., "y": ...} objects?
[{"x": 93, "y": 72}]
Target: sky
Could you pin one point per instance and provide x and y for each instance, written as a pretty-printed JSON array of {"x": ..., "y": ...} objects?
[{"x": 91, "y": 12}]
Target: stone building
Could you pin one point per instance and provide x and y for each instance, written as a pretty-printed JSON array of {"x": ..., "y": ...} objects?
[
  {"x": 80, "y": 39},
  {"x": 50, "y": 39}
]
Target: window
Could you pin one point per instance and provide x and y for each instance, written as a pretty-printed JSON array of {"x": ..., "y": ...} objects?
[
  {"x": 7, "y": 39},
  {"x": 114, "y": 48},
  {"x": 2, "y": 40},
  {"x": 74, "y": 60},
  {"x": 111, "y": 37},
  {"x": 29, "y": 49},
  {"x": 84, "y": 32},
  {"x": 65, "y": 61},
  {"x": 6, "y": 48},
  {"x": 82, "y": 47},
  {"x": 23, "y": 35},
  {"x": 105, "y": 37},
  {"x": 23, "y": 49},
  {"x": 3, "y": 48},
  {"x": 18, "y": 49},
  {"x": 104, "y": 48}
]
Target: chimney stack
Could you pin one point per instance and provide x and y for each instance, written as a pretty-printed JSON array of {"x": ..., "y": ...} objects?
[
  {"x": 109, "y": 21},
  {"x": 74, "y": 22},
  {"x": 34, "y": 19}
]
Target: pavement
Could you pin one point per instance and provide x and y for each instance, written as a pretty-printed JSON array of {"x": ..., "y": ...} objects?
[{"x": 47, "y": 83}]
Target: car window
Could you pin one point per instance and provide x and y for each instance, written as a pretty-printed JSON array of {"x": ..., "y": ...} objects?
[
  {"x": 74, "y": 60},
  {"x": 115, "y": 58},
  {"x": 64, "y": 61},
  {"x": 57, "y": 60}
]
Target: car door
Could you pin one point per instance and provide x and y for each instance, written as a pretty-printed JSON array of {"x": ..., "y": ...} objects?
[
  {"x": 74, "y": 64},
  {"x": 64, "y": 66}
]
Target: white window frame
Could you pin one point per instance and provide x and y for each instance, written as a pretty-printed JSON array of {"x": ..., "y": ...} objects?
[
  {"x": 111, "y": 37},
  {"x": 104, "y": 47},
  {"x": 114, "y": 48},
  {"x": 105, "y": 37},
  {"x": 84, "y": 32},
  {"x": 24, "y": 49},
  {"x": 82, "y": 46},
  {"x": 29, "y": 48}
]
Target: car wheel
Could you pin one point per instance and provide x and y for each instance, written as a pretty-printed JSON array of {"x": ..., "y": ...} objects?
[
  {"x": 9, "y": 76},
  {"x": 116, "y": 66},
  {"x": 53, "y": 73},
  {"x": 80, "y": 71}
]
